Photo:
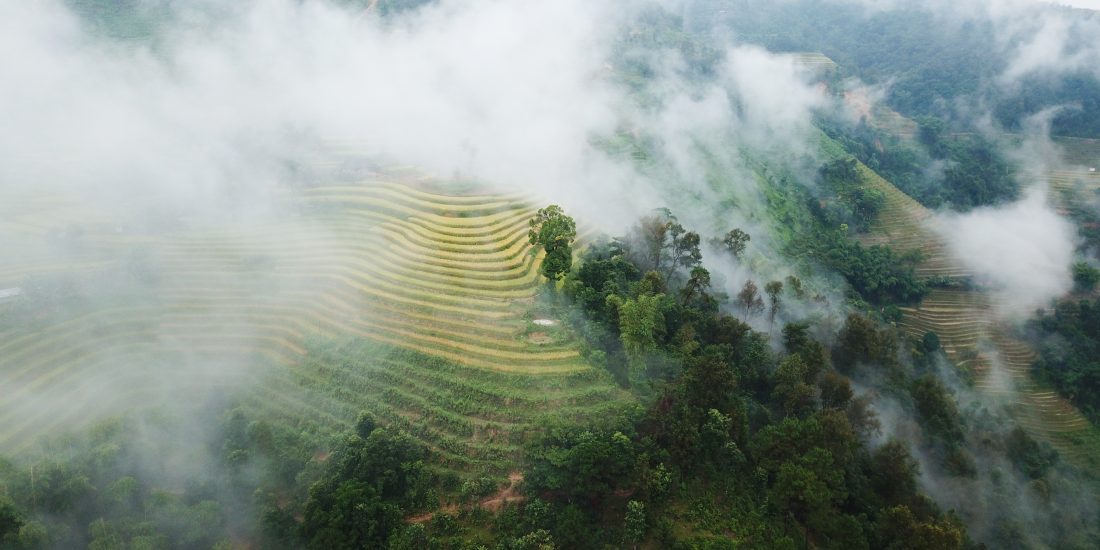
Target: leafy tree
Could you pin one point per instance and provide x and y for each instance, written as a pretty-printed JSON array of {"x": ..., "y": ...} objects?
[
  {"x": 843, "y": 170},
  {"x": 685, "y": 252},
  {"x": 350, "y": 515},
  {"x": 716, "y": 441},
  {"x": 791, "y": 390},
  {"x": 709, "y": 382},
  {"x": 937, "y": 409},
  {"x": 1031, "y": 457},
  {"x": 796, "y": 337},
  {"x": 795, "y": 286},
  {"x": 786, "y": 440},
  {"x": 749, "y": 298},
  {"x": 641, "y": 322},
  {"x": 1069, "y": 353},
  {"x": 1085, "y": 277},
  {"x": 696, "y": 286},
  {"x": 809, "y": 485},
  {"x": 836, "y": 390},
  {"x": 365, "y": 424},
  {"x": 554, "y": 232},
  {"x": 360, "y": 499},
  {"x": 579, "y": 464},
  {"x": 930, "y": 342},
  {"x": 893, "y": 472},
  {"x": 666, "y": 245},
  {"x": 735, "y": 242},
  {"x": 635, "y": 523},
  {"x": 11, "y": 519},
  {"x": 411, "y": 537},
  {"x": 774, "y": 289},
  {"x": 903, "y": 531},
  {"x": 476, "y": 489},
  {"x": 653, "y": 233},
  {"x": 33, "y": 534},
  {"x": 930, "y": 130},
  {"x": 876, "y": 272},
  {"x": 859, "y": 202},
  {"x": 537, "y": 540},
  {"x": 604, "y": 272},
  {"x": 860, "y": 341}
]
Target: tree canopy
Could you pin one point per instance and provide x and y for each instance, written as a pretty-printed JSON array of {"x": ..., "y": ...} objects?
[{"x": 554, "y": 231}]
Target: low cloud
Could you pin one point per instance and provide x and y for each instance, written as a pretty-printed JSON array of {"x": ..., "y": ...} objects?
[{"x": 1022, "y": 250}]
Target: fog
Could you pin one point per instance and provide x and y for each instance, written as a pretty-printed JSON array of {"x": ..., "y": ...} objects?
[
  {"x": 209, "y": 121},
  {"x": 999, "y": 504},
  {"x": 231, "y": 104},
  {"x": 227, "y": 107},
  {"x": 507, "y": 92},
  {"x": 1022, "y": 251}
]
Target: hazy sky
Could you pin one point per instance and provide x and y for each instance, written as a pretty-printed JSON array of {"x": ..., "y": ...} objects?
[{"x": 1090, "y": 4}]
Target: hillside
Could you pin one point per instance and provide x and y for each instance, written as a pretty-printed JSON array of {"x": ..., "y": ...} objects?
[
  {"x": 965, "y": 320},
  {"x": 412, "y": 304},
  {"x": 326, "y": 274}
]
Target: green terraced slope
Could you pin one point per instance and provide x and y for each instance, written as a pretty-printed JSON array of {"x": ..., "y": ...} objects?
[
  {"x": 972, "y": 337},
  {"x": 382, "y": 296}
]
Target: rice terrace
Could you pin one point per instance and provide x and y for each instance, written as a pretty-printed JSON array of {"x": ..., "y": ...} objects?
[
  {"x": 427, "y": 297},
  {"x": 529, "y": 275}
]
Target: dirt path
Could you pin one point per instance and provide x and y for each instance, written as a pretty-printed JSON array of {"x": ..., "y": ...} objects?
[{"x": 494, "y": 503}]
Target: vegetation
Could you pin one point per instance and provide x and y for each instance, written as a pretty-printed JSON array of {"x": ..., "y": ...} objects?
[
  {"x": 1085, "y": 277},
  {"x": 411, "y": 385},
  {"x": 88, "y": 494},
  {"x": 928, "y": 61},
  {"x": 973, "y": 172},
  {"x": 364, "y": 491},
  {"x": 735, "y": 242},
  {"x": 859, "y": 204},
  {"x": 729, "y": 437},
  {"x": 1069, "y": 346},
  {"x": 554, "y": 232}
]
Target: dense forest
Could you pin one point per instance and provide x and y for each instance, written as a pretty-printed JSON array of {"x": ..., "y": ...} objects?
[
  {"x": 957, "y": 171},
  {"x": 1070, "y": 348},
  {"x": 930, "y": 61}
]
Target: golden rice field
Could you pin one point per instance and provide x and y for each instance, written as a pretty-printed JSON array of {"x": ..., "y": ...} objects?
[{"x": 390, "y": 295}]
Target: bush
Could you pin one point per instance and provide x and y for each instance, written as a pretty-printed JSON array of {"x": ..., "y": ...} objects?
[
  {"x": 1085, "y": 277},
  {"x": 477, "y": 489}
]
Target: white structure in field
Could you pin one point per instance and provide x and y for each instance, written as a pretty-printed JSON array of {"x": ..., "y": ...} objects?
[{"x": 9, "y": 294}]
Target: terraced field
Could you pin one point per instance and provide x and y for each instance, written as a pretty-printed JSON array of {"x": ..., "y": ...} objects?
[
  {"x": 1001, "y": 366},
  {"x": 878, "y": 115},
  {"x": 1080, "y": 152},
  {"x": 815, "y": 61},
  {"x": 964, "y": 319},
  {"x": 390, "y": 297},
  {"x": 905, "y": 225},
  {"x": 1076, "y": 181},
  {"x": 971, "y": 335}
]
